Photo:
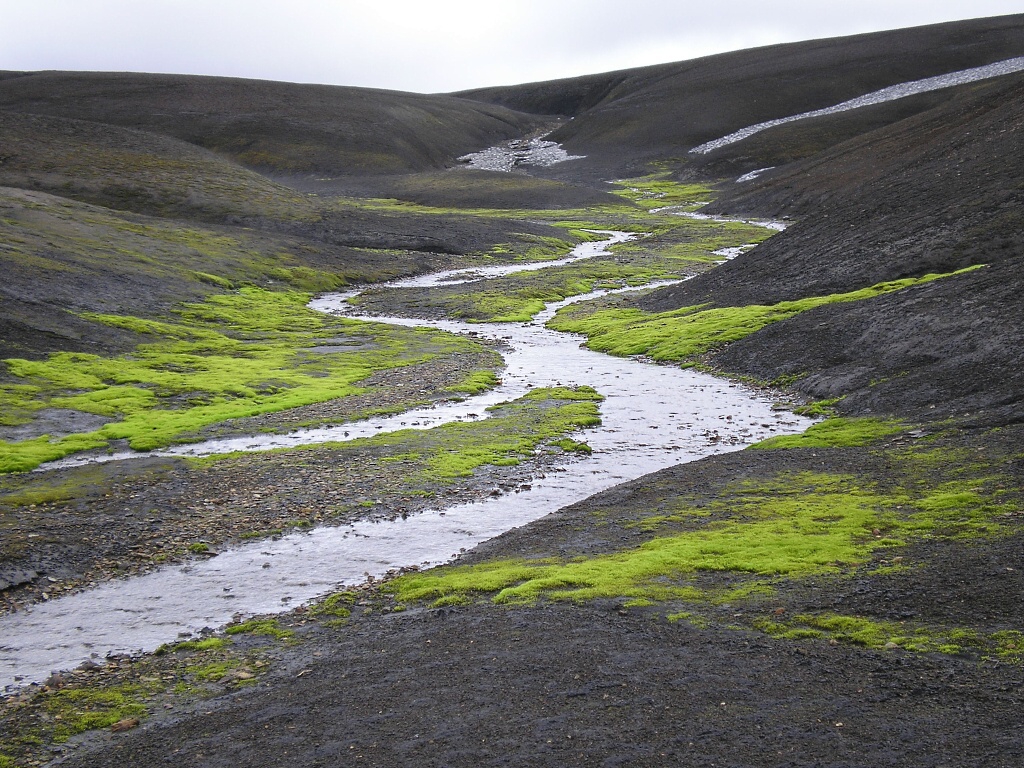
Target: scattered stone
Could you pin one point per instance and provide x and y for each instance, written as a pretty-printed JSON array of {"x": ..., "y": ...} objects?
[{"x": 125, "y": 725}]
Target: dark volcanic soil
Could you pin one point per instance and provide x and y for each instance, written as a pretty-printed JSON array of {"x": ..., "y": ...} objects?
[
  {"x": 603, "y": 683},
  {"x": 935, "y": 193},
  {"x": 895, "y": 193},
  {"x": 590, "y": 686}
]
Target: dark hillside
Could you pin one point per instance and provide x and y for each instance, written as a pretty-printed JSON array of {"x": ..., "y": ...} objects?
[
  {"x": 934, "y": 193},
  {"x": 471, "y": 188},
  {"x": 136, "y": 171},
  {"x": 61, "y": 257},
  {"x": 83, "y": 247},
  {"x": 280, "y": 127},
  {"x": 624, "y": 120}
]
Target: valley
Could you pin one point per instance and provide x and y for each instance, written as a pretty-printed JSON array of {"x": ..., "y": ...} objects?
[{"x": 793, "y": 434}]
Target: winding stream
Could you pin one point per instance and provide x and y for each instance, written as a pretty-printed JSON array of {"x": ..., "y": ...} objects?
[{"x": 653, "y": 417}]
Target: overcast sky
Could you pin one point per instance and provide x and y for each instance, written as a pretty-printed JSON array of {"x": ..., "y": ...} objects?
[{"x": 428, "y": 45}]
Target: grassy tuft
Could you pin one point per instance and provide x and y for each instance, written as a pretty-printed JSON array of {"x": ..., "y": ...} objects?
[{"x": 268, "y": 627}]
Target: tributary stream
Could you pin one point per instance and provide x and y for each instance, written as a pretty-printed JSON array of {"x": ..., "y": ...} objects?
[{"x": 653, "y": 416}]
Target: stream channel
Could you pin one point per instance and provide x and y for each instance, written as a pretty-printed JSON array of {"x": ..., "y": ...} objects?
[{"x": 653, "y": 416}]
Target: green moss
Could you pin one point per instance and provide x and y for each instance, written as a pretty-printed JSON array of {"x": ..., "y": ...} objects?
[
  {"x": 793, "y": 534},
  {"x": 672, "y": 248},
  {"x": 792, "y": 526},
  {"x": 268, "y": 627},
  {"x": 339, "y": 606},
  {"x": 213, "y": 671},
  {"x": 817, "y": 408},
  {"x": 206, "y": 644},
  {"x": 659, "y": 190},
  {"x": 476, "y": 382},
  {"x": 693, "y": 619},
  {"x": 837, "y": 433},
  {"x": 681, "y": 334},
  {"x": 230, "y": 357},
  {"x": 220, "y": 282},
  {"x": 908, "y": 636},
  {"x": 513, "y": 432},
  {"x": 76, "y": 710}
]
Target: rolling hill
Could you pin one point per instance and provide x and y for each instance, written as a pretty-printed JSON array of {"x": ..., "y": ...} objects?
[
  {"x": 623, "y": 121},
  {"x": 853, "y": 595}
]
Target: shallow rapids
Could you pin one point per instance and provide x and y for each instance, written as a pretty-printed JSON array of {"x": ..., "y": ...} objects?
[{"x": 652, "y": 417}]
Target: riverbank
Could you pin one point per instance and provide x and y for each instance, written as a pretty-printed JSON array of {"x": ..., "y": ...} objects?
[
  {"x": 904, "y": 654},
  {"x": 848, "y": 596}
]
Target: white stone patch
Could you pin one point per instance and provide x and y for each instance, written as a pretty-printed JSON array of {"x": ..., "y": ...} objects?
[
  {"x": 753, "y": 174},
  {"x": 891, "y": 93},
  {"x": 519, "y": 152}
]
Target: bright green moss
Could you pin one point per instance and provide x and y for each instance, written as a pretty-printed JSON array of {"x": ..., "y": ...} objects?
[
  {"x": 792, "y": 534},
  {"x": 206, "y": 644},
  {"x": 908, "y": 636},
  {"x": 76, "y": 710},
  {"x": 513, "y": 432},
  {"x": 837, "y": 433},
  {"x": 793, "y": 526},
  {"x": 672, "y": 248},
  {"x": 268, "y": 627},
  {"x": 476, "y": 382},
  {"x": 336, "y": 606},
  {"x": 817, "y": 408},
  {"x": 213, "y": 671},
  {"x": 658, "y": 191},
  {"x": 684, "y": 333},
  {"x": 232, "y": 356}
]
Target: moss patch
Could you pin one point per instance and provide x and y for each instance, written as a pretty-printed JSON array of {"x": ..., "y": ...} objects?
[
  {"x": 232, "y": 356},
  {"x": 751, "y": 538},
  {"x": 513, "y": 431},
  {"x": 685, "y": 333},
  {"x": 837, "y": 432},
  {"x": 672, "y": 248},
  {"x": 1007, "y": 646}
]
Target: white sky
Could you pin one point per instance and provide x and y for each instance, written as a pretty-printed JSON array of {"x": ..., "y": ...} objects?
[{"x": 429, "y": 45}]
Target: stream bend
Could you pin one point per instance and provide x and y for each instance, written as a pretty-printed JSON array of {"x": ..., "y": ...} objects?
[{"x": 653, "y": 417}]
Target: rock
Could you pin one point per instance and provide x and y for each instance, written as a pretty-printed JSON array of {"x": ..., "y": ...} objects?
[
  {"x": 15, "y": 577},
  {"x": 54, "y": 681}
]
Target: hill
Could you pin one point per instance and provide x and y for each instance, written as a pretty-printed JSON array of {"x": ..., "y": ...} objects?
[
  {"x": 624, "y": 121},
  {"x": 853, "y": 595},
  {"x": 934, "y": 193},
  {"x": 281, "y": 128}
]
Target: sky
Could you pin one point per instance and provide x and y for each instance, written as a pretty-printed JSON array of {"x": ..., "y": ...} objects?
[{"x": 429, "y": 46}]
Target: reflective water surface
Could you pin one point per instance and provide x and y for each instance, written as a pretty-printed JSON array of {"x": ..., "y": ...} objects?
[{"x": 652, "y": 417}]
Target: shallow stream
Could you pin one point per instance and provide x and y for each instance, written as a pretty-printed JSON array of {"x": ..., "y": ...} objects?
[{"x": 652, "y": 417}]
